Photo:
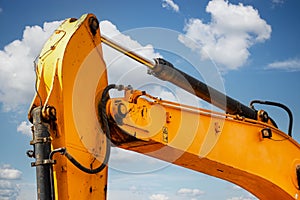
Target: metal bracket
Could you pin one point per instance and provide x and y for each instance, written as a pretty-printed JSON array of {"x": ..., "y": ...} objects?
[
  {"x": 43, "y": 162},
  {"x": 40, "y": 140}
]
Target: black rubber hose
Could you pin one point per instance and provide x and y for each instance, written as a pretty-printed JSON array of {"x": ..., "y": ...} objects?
[
  {"x": 106, "y": 130},
  {"x": 105, "y": 127},
  {"x": 84, "y": 169},
  {"x": 271, "y": 103}
]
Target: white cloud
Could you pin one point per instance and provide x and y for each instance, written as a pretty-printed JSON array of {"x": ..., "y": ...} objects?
[
  {"x": 6, "y": 172},
  {"x": 158, "y": 197},
  {"x": 187, "y": 192},
  {"x": 242, "y": 198},
  {"x": 288, "y": 65},
  {"x": 9, "y": 190},
  {"x": 133, "y": 188},
  {"x": 26, "y": 191},
  {"x": 25, "y": 128},
  {"x": 16, "y": 66},
  {"x": 226, "y": 39},
  {"x": 241, "y": 194},
  {"x": 121, "y": 69},
  {"x": 17, "y": 74},
  {"x": 170, "y": 4}
]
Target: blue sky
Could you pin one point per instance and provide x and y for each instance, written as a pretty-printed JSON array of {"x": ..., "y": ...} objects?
[{"x": 248, "y": 49}]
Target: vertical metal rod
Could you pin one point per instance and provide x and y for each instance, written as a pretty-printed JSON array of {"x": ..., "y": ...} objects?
[{"x": 42, "y": 147}]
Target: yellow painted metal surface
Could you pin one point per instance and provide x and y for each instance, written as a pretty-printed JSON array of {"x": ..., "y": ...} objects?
[
  {"x": 224, "y": 146},
  {"x": 70, "y": 74}
]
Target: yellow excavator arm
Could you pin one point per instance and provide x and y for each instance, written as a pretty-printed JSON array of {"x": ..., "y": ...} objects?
[
  {"x": 226, "y": 146},
  {"x": 75, "y": 121}
]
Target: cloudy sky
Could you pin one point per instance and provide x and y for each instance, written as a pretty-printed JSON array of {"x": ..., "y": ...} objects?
[{"x": 248, "y": 49}]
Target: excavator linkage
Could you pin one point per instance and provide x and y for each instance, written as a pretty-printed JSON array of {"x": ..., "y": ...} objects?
[{"x": 75, "y": 121}]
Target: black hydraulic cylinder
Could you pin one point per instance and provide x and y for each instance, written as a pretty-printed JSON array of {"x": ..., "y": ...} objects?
[
  {"x": 42, "y": 148},
  {"x": 167, "y": 72}
]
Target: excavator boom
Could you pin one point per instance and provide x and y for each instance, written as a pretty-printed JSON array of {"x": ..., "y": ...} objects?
[
  {"x": 75, "y": 121},
  {"x": 226, "y": 146}
]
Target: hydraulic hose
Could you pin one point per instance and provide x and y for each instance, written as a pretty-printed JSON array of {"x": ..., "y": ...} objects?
[
  {"x": 105, "y": 127},
  {"x": 271, "y": 103}
]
